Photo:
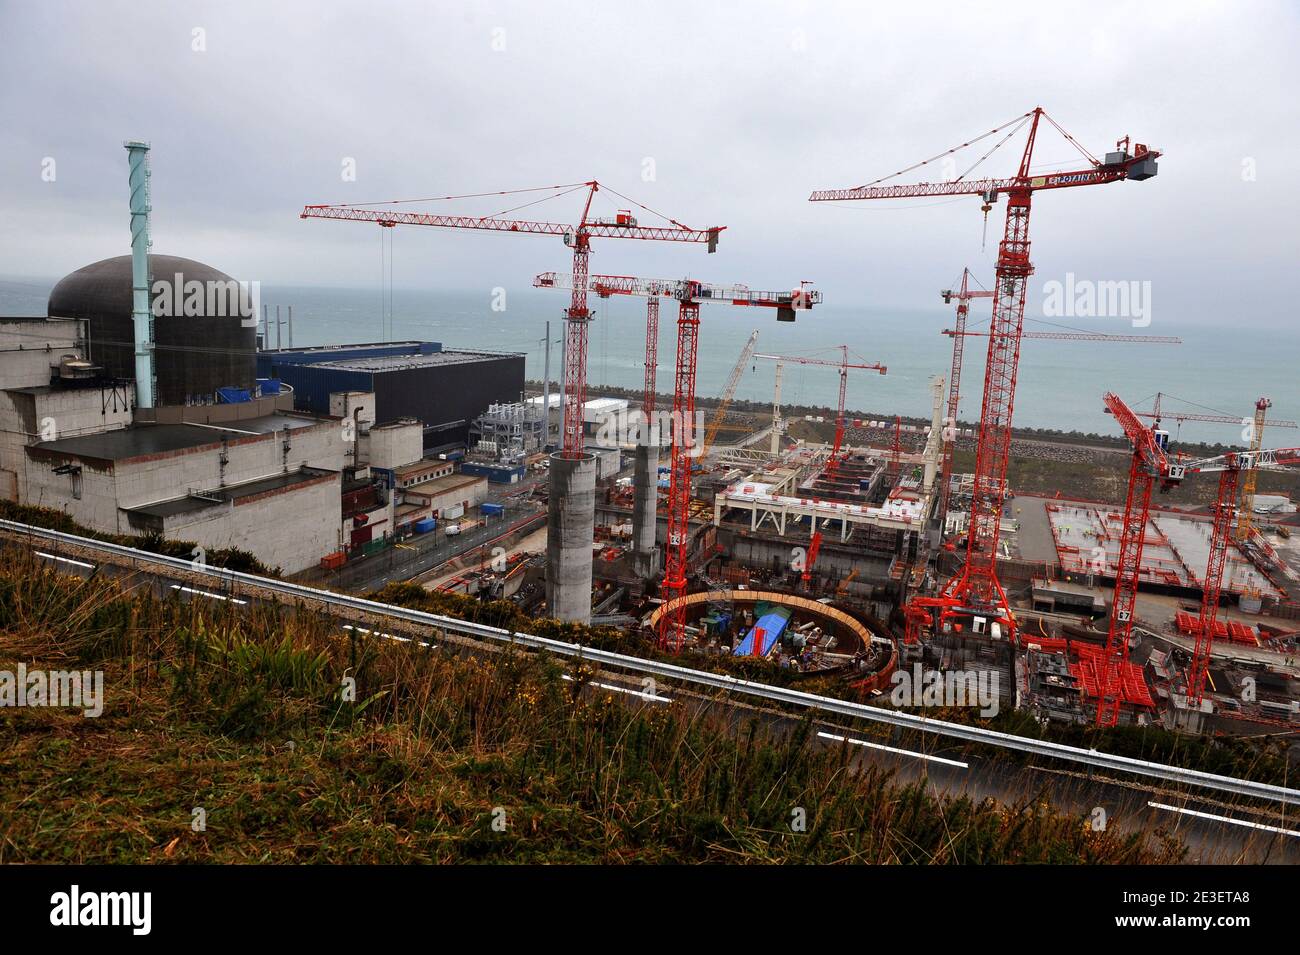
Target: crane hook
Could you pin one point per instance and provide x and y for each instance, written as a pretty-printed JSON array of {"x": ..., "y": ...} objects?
[{"x": 989, "y": 197}]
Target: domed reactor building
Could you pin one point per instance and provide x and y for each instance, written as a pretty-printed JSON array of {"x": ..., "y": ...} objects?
[
  {"x": 220, "y": 459},
  {"x": 204, "y": 326}
]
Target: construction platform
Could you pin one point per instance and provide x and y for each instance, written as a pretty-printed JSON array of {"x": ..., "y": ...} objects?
[{"x": 1175, "y": 550}]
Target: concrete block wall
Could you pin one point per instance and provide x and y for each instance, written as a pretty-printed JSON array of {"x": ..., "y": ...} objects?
[
  {"x": 95, "y": 507},
  {"x": 160, "y": 477},
  {"x": 30, "y": 348},
  {"x": 357, "y": 405},
  {"x": 27, "y": 418},
  {"x": 393, "y": 445},
  {"x": 291, "y": 528},
  {"x": 77, "y": 411}
]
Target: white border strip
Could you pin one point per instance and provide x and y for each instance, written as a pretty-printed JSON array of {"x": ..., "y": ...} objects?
[
  {"x": 1228, "y": 819},
  {"x": 894, "y": 749}
]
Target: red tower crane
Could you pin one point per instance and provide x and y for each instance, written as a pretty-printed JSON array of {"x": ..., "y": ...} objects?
[
  {"x": 1256, "y": 425},
  {"x": 959, "y": 334},
  {"x": 843, "y": 365},
  {"x": 1159, "y": 413},
  {"x": 1151, "y": 463},
  {"x": 963, "y": 296},
  {"x": 577, "y": 236},
  {"x": 689, "y": 294},
  {"x": 814, "y": 548},
  {"x": 1230, "y": 467},
  {"x": 651, "y": 355},
  {"x": 977, "y": 588}
]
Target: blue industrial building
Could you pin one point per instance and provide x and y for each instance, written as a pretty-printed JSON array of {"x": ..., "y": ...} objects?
[{"x": 446, "y": 389}]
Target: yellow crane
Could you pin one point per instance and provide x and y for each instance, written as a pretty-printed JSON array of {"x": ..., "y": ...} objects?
[
  {"x": 843, "y": 588},
  {"x": 1247, "y": 508},
  {"x": 715, "y": 423}
]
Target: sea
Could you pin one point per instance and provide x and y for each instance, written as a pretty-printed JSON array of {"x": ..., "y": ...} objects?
[{"x": 1060, "y": 384}]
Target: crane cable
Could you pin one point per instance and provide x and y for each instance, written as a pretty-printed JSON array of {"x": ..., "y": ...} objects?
[
  {"x": 947, "y": 152},
  {"x": 469, "y": 195}
]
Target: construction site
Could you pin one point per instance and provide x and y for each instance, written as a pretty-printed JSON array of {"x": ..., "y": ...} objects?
[
  {"x": 862, "y": 554},
  {"x": 832, "y": 542}
]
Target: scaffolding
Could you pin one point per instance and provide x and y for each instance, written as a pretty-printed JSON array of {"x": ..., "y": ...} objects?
[{"x": 508, "y": 431}]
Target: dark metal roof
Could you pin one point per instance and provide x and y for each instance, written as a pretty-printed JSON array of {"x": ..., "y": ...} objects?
[
  {"x": 384, "y": 363},
  {"x": 133, "y": 442},
  {"x": 227, "y": 495},
  {"x": 144, "y": 440}
]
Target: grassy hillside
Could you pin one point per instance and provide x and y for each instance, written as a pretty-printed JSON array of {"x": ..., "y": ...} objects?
[{"x": 240, "y": 713}]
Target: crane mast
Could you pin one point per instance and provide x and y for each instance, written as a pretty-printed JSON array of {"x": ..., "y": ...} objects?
[
  {"x": 963, "y": 296},
  {"x": 843, "y": 364},
  {"x": 577, "y": 236},
  {"x": 1246, "y": 512},
  {"x": 729, "y": 392},
  {"x": 976, "y": 589},
  {"x": 651, "y": 356},
  {"x": 689, "y": 294},
  {"x": 778, "y": 424}
]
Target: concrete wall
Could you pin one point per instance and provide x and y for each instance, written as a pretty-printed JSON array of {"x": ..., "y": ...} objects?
[
  {"x": 96, "y": 496},
  {"x": 223, "y": 414},
  {"x": 28, "y": 349},
  {"x": 570, "y": 519},
  {"x": 292, "y": 528},
  {"x": 609, "y": 461},
  {"x": 393, "y": 445},
  {"x": 645, "y": 491},
  {"x": 771, "y": 554},
  {"x": 469, "y": 494},
  {"x": 358, "y": 405},
  {"x": 161, "y": 477},
  {"x": 48, "y": 414}
]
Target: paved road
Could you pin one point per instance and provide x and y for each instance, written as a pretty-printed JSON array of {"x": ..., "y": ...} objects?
[{"x": 421, "y": 553}]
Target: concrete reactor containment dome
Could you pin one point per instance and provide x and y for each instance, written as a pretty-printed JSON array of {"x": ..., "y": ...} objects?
[{"x": 205, "y": 324}]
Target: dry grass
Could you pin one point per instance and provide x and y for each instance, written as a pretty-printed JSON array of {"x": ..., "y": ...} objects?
[{"x": 240, "y": 712}]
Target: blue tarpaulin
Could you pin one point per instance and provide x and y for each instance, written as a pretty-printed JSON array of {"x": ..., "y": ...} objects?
[{"x": 773, "y": 624}]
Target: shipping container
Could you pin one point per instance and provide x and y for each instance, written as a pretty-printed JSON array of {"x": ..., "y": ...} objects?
[{"x": 424, "y": 525}]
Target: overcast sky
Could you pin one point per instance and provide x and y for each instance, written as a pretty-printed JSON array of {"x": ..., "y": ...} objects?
[{"x": 742, "y": 109}]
